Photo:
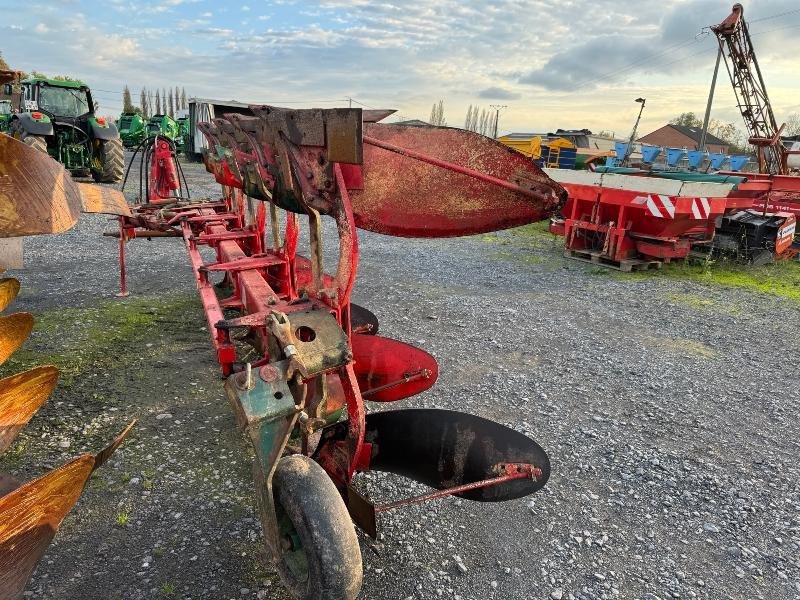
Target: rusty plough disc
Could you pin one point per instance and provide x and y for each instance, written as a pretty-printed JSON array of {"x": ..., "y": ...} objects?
[
  {"x": 21, "y": 396},
  {"x": 31, "y": 514},
  {"x": 37, "y": 196},
  {"x": 14, "y": 330},
  {"x": 9, "y": 288},
  {"x": 102, "y": 199}
]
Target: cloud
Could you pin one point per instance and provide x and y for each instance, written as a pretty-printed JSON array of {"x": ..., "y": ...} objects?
[
  {"x": 673, "y": 41},
  {"x": 530, "y": 54},
  {"x": 498, "y": 93}
]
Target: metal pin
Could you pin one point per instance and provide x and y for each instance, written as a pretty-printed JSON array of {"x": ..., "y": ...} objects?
[{"x": 249, "y": 379}]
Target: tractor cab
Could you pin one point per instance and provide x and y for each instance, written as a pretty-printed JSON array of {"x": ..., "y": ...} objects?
[
  {"x": 58, "y": 99},
  {"x": 58, "y": 117}
]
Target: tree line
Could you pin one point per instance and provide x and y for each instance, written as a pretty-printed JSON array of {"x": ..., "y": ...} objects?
[
  {"x": 479, "y": 120},
  {"x": 166, "y": 101}
]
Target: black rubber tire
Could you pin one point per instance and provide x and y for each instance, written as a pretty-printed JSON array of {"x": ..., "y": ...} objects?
[
  {"x": 305, "y": 495},
  {"x": 113, "y": 161}
]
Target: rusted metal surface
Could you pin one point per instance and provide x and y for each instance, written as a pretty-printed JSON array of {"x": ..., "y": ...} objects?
[
  {"x": 9, "y": 288},
  {"x": 103, "y": 199},
  {"x": 14, "y": 330},
  {"x": 21, "y": 395},
  {"x": 312, "y": 354},
  {"x": 406, "y": 195},
  {"x": 31, "y": 515},
  {"x": 36, "y": 194}
]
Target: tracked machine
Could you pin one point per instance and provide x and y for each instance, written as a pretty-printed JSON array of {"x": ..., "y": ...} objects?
[{"x": 301, "y": 403}]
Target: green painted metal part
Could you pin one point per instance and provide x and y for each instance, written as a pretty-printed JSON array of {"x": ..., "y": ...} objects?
[
  {"x": 265, "y": 411},
  {"x": 132, "y": 129},
  {"x": 5, "y": 115},
  {"x": 162, "y": 125},
  {"x": 184, "y": 128},
  {"x": 74, "y": 84}
]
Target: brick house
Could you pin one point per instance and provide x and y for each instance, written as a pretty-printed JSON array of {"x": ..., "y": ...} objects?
[{"x": 680, "y": 136}]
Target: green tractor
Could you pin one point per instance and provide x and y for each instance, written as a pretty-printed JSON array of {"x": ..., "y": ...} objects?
[
  {"x": 132, "y": 129},
  {"x": 162, "y": 125},
  {"x": 58, "y": 117},
  {"x": 183, "y": 134},
  {"x": 5, "y": 115}
]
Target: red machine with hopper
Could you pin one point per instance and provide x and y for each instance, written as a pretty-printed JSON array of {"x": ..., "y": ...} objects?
[
  {"x": 301, "y": 402},
  {"x": 638, "y": 219}
]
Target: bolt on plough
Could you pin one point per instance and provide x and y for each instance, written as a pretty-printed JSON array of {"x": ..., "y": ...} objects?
[
  {"x": 300, "y": 402},
  {"x": 37, "y": 196}
]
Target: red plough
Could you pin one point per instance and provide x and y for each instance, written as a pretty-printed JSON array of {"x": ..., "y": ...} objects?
[{"x": 317, "y": 354}]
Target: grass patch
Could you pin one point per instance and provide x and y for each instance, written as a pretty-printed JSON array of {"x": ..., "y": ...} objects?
[
  {"x": 168, "y": 589},
  {"x": 781, "y": 279},
  {"x": 683, "y": 347},
  {"x": 100, "y": 338},
  {"x": 692, "y": 300},
  {"x": 123, "y": 518},
  {"x": 540, "y": 229}
]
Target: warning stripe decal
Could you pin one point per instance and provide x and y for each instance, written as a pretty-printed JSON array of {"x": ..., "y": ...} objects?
[{"x": 663, "y": 207}]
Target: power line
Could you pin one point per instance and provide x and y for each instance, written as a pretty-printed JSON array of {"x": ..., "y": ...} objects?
[
  {"x": 679, "y": 45},
  {"x": 362, "y": 104},
  {"x": 636, "y": 63},
  {"x": 783, "y": 14},
  {"x": 790, "y": 26}
]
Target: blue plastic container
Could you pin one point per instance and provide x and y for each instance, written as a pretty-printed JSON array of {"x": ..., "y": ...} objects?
[
  {"x": 738, "y": 162},
  {"x": 717, "y": 160},
  {"x": 674, "y": 155},
  {"x": 696, "y": 158},
  {"x": 650, "y": 153}
]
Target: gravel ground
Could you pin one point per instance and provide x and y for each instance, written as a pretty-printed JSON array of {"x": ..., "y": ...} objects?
[{"x": 668, "y": 409}]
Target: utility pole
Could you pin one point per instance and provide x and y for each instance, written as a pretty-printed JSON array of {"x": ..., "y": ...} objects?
[
  {"x": 497, "y": 108},
  {"x": 704, "y": 135}
]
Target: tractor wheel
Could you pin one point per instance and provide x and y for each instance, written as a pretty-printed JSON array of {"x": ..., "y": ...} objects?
[
  {"x": 109, "y": 161},
  {"x": 320, "y": 558},
  {"x": 34, "y": 141}
]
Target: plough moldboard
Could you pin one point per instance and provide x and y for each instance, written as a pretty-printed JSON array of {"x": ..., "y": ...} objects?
[
  {"x": 300, "y": 403},
  {"x": 37, "y": 196}
]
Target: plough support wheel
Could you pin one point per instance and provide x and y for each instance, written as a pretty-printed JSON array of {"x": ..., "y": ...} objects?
[{"x": 318, "y": 557}]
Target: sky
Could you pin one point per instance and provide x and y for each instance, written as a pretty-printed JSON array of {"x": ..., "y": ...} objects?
[{"x": 551, "y": 63}]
